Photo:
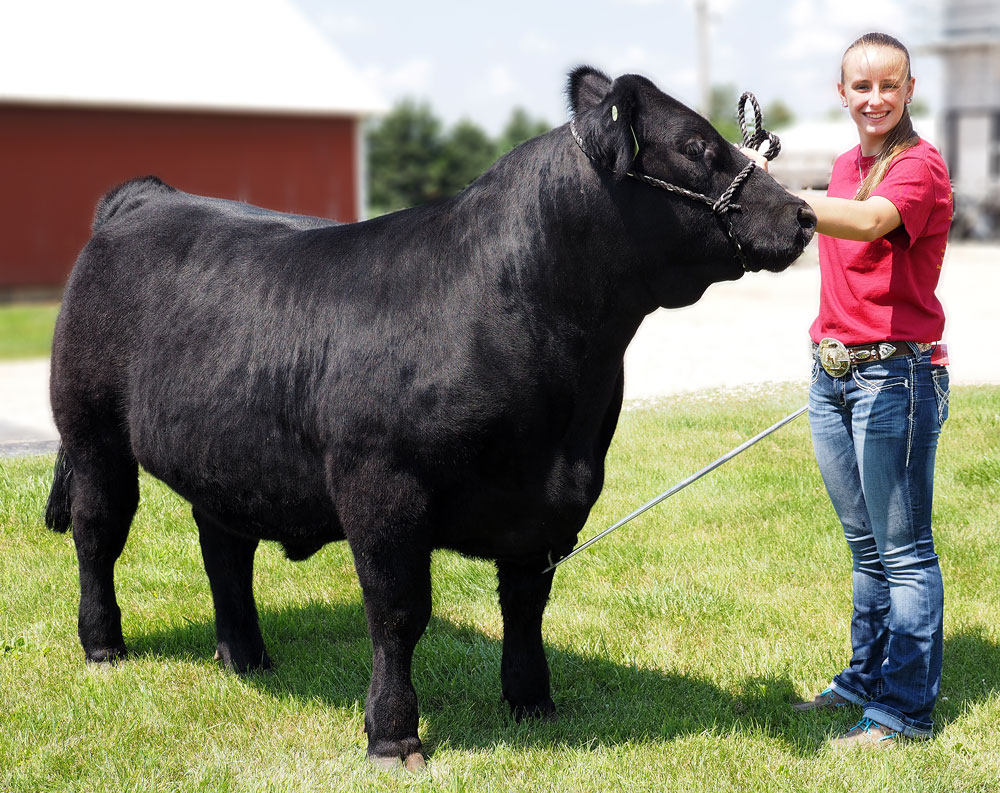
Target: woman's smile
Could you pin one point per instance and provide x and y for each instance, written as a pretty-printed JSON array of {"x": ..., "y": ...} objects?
[{"x": 875, "y": 91}]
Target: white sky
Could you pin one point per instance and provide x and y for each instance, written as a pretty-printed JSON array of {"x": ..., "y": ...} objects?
[{"x": 480, "y": 60}]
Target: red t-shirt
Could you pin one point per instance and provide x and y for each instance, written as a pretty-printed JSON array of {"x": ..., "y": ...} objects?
[{"x": 884, "y": 290}]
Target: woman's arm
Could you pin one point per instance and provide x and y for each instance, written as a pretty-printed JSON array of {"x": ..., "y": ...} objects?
[
  {"x": 845, "y": 218},
  {"x": 855, "y": 220}
]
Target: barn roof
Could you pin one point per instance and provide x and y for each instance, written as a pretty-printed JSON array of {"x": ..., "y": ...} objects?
[{"x": 256, "y": 55}]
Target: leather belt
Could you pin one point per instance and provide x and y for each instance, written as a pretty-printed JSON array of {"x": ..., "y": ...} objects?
[{"x": 837, "y": 358}]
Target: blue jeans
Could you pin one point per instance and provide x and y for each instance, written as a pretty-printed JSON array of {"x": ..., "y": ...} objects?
[{"x": 875, "y": 432}]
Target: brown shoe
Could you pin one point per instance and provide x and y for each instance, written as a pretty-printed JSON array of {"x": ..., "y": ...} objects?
[
  {"x": 825, "y": 700},
  {"x": 867, "y": 734}
]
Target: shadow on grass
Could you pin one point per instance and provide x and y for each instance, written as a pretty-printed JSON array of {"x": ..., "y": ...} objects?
[
  {"x": 970, "y": 674},
  {"x": 322, "y": 653}
]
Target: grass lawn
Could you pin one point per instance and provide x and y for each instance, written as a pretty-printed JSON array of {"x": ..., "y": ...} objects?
[
  {"x": 26, "y": 330},
  {"x": 676, "y": 644}
]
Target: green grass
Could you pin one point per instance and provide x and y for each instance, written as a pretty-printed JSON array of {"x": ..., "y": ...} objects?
[
  {"x": 675, "y": 644},
  {"x": 26, "y": 330}
]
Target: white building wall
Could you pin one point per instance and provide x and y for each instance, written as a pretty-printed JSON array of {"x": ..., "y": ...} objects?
[{"x": 970, "y": 117}]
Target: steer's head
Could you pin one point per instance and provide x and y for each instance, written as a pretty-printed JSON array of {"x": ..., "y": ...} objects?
[{"x": 628, "y": 126}]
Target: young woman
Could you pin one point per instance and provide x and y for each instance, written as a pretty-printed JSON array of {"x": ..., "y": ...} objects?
[{"x": 879, "y": 393}]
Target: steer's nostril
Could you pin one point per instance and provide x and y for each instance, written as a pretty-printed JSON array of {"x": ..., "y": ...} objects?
[{"x": 807, "y": 218}]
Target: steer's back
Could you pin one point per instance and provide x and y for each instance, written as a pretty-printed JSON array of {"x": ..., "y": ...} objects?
[{"x": 186, "y": 334}]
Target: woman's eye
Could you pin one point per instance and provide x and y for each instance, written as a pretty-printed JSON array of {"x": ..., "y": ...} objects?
[{"x": 694, "y": 148}]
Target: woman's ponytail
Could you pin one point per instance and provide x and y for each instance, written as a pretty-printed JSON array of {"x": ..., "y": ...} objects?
[{"x": 900, "y": 138}]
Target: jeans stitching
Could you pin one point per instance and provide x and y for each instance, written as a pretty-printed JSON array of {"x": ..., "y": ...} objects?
[
  {"x": 927, "y": 611},
  {"x": 942, "y": 394},
  {"x": 873, "y": 387},
  {"x": 924, "y": 586},
  {"x": 912, "y": 417}
]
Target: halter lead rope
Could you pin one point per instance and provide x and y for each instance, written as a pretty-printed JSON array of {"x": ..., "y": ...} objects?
[
  {"x": 759, "y": 133},
  {"x": 724, "y": 204},
  {"x": 553, "y": 563}
]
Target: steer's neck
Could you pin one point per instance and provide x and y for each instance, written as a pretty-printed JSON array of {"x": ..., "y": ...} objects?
[{"x": 554, "y": 239}]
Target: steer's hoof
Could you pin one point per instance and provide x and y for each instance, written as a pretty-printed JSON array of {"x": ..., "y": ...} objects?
[
  {"x": 415, "y": 762},
  {"x": 542, "y": 711},
  {"x": 243, "y": 663},
  {"x": 107, "y": 655},
  {"x": 386, "y": 763}
]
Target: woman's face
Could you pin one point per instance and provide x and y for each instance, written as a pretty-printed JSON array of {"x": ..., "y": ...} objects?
[{"x": 876, "y": 90}]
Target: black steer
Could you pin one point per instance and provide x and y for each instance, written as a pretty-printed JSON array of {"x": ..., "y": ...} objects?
[{"x": 449, "y": 376}]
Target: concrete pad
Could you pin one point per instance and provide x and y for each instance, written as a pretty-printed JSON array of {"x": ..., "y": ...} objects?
[{"x": 25, "y": 414}]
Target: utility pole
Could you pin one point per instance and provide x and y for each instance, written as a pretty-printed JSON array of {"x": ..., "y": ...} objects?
[{"x": 704, "y": 84}]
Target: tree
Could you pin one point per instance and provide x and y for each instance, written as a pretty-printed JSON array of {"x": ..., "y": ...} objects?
[
  {"x": 404, "y": 151},
  {"x": 519, "y": 128},
  {"x": 468, "y": 151},
  {"x": 920, "y": 108},
  {"x": 722, "y": 111},
  {"x": 412, "y": 161},
  {"x": 778, "y": 115}
]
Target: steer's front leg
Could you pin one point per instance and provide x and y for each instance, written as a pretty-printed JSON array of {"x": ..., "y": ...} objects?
[
  {"x": 524, "y": 672},
  {"x": 396, "y": 584}
]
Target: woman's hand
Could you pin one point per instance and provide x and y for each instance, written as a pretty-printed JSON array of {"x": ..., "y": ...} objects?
[{"x": 754, "y": 155}]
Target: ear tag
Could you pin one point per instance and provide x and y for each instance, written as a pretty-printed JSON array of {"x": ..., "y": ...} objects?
[{"x": 614, "y": 112}]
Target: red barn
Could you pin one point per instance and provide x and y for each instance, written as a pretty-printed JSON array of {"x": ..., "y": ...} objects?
[{"x": 241, "y": 99}]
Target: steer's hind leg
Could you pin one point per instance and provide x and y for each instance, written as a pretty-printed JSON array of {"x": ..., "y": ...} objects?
[
  {"x": 104, "y": 492},
  {"x": 524, "y": 672},
  {"x": 229, "y": 564}
]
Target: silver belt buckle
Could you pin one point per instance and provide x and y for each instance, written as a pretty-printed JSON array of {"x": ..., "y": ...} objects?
[{"x": 834, "y": 357}]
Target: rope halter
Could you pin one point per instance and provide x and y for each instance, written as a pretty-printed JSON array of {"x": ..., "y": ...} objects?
[{"x": 724, "y": 204}]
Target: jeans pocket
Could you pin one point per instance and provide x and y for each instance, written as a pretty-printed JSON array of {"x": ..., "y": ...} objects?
[
  {"x": 942, "y": 391},
  {"x": 876, "y": 377},
  {"x": 815, "y": 372}
]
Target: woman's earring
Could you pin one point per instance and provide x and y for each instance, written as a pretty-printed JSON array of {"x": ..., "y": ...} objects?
[
  {"x": 844, "y": 104},
  {"x": 909, "y": 99}
]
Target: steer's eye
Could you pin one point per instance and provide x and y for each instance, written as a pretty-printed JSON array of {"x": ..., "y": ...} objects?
[{"x": 695, "y": 149}]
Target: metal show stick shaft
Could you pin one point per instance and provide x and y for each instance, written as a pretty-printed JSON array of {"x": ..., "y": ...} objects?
[{"x": 680, "y": 486}]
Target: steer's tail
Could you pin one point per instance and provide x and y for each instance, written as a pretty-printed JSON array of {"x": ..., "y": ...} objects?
[
  {"x": 57, "y": 510},
  {"x": 126, "y": 196}
]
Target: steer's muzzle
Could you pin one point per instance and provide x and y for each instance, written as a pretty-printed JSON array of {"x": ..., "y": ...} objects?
[
  {"x": 780, "y": 235},
  {"x": 807, "y": 222}
]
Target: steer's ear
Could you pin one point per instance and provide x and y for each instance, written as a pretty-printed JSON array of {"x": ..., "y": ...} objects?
[
  {"x": 587, "y": 88},
  {"x": 603, "y": 112}
]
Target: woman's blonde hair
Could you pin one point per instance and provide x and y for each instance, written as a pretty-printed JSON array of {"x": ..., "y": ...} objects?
[{"x": 901, "y": 137}]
